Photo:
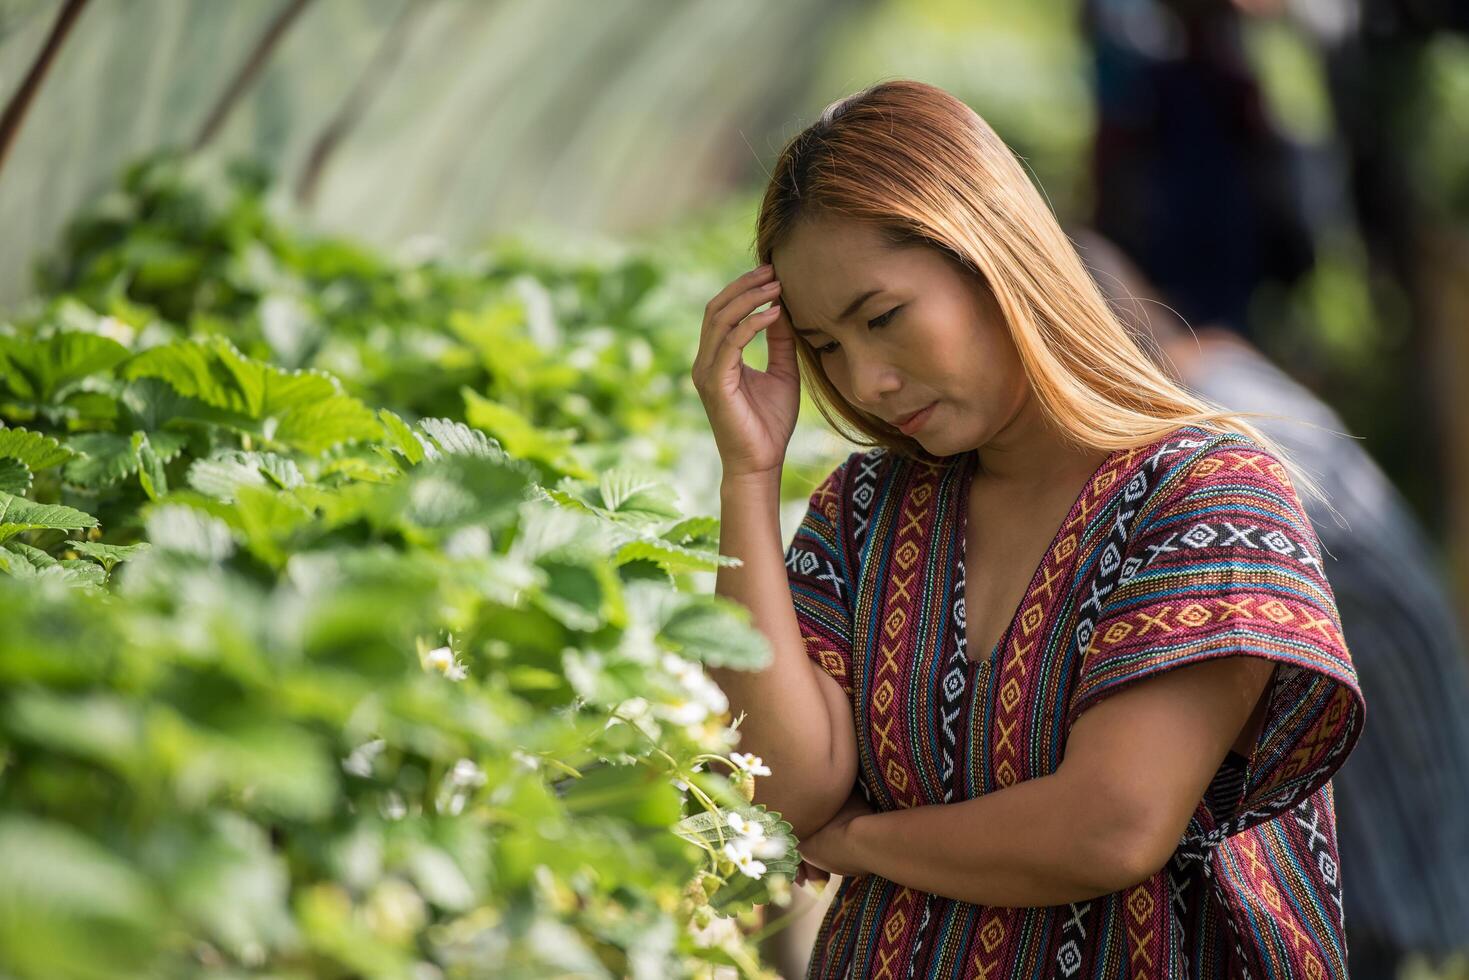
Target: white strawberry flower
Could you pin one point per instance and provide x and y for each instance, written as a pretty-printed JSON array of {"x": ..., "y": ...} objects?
[
  {"x": 751, "y": 764},
  {"x": 749, "y": 829},
  {"x": 443, "y": 660},
  {"x": 708, "y": 693},
  {"x": 359, "y": 762},
  {"x": 466, "y": 773},
  {"x": 768, "y": 848},
  {"x": 677, "y": 666},
  {"x": 739, "y": 852}
]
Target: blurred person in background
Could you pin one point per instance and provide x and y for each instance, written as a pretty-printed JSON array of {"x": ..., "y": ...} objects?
[
  {"x": 1192, "y": 178},
  {"x": 1402, "y": 797},
  {"x": 1196, "y": 178}
]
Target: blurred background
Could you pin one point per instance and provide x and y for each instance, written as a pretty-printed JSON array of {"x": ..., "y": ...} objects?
[
  {"x": 1293, "y": 173},
  {"x": 457, "y": 120}
]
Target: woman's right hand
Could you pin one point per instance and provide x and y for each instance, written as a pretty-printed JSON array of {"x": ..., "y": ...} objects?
[{"x": 753, "y": 413}]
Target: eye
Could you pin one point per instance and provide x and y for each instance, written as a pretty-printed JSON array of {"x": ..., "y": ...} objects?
[
  {"x": 875, "y": 322},
  {"x": 882, "y": 321}
]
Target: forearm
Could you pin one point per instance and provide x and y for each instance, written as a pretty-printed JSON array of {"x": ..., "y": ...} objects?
[
  {"x": 1040, "y": 842},
  {"x": 786, "y": 719}
]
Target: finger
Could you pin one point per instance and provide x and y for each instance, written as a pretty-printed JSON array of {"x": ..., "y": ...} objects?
[
  {"x": 731, "y": 351},
  {"x": 780, "y": 342},
  {"x": 720, "y": 321},
  {"x": 754, "y": 277}
]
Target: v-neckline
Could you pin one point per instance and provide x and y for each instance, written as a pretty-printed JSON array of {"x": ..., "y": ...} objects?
[{"x": 961, "y": 587}]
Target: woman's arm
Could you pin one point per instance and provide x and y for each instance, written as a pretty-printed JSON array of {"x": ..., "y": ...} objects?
[
  {"x": 796, "y": 717},
  {"x": 1137, "y": 764}
]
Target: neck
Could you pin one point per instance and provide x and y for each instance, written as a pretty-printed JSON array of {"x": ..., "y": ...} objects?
[{"x": 1029, "y": 453}]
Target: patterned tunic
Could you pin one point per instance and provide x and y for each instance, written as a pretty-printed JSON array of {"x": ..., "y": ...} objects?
[
  {"x": 1403, "y": 794},
  {"x": 1192, "y": 547}
]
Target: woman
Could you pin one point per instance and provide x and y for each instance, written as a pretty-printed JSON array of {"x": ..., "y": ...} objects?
[{"x": 1064, "y": 627}]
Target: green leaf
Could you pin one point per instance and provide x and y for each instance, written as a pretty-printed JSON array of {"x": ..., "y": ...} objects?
[
  {"x": 710, "y": 829},
  {"x": 37, "y": 368},
  {"x": 150, "y": 467},
  {"x": 325, "y": 424},
  {"x": 458, "y": 439},
  {"x": 628, "y": 491},
  {"x": 35, "y": 450},
  {"x": 303, "y": 409},
  {"x": 184, "y": 529},
  {"x": 22, "y": 561},
  {"x": 15, "y": 476},
  {"x": 521, "y": 438},
  {"x": 401, "y": 437},
  {"x": 108, "y": 554},
  {"x": 103, "y": 459},
  {"x": 18, "y": 514},
  {"x": 51, "y": 875},
  {"x": 671, "y": 557},
  {"x": 716, "y": 631},
  {"x": 694, "y": 530},
  {"x": 638, "y": 794},
  {"x": 223, "y": 473},
  {"x": 100, "y": 727}
]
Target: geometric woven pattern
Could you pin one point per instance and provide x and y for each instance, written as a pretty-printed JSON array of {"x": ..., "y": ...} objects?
[{"x": 1190, "y": 548}]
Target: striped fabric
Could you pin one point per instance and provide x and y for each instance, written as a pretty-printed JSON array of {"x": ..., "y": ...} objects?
[
  {"x": 1190, "y": 548},
  {"x": 1403, "y": 794}
]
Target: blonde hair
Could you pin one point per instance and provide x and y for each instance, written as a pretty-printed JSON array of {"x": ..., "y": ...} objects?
[{"x": 923, "y": 168}]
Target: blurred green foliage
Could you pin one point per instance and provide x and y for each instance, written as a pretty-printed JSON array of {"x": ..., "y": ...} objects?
[{"x": 349, "y": 627}]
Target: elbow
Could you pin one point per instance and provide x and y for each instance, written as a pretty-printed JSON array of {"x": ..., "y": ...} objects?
[
  {"x": 1139, "y": 856},
  {"x": 1129, "y": 844},
  {"x": 807, "y": 807}
]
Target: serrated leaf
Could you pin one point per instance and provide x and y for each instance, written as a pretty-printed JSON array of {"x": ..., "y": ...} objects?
[
  {"x": 672, "y": 557},
  {"x": 35, "y": 450},
  {"x": 401, "y": 437},
  {"x": 109, "y": 554},
  {"x": 217, "y": 373},
  {"x": 15, "y": 476},
  {"x": 520, "y": 437},
  {"x": 223, "y": 473},
  {"x": 168, "y": 444},
  {"x": 458, "y": 439},
  {"x": 629, "y": 492},
  {"x": 184, "y": 529},
  {"x": 305, "y": 409},
  {"x": 716, "y": 631},
  {"x": 18, "y": 514},
  {"x": 152, "y": 404},
  {"x": 150, "y": 467},
  {"x": 103, "y": 459},
  {"x": 37, "y": 368},
  {"x": 693, "y": 529},
  {"x": 710, "y": 829},
  {"x": 281, "y": 470},
  {"x": 325, "y": 424},
  {"x": 23, "y": 561}
]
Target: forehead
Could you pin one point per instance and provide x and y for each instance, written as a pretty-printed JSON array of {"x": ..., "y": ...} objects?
[
  {"x": 821, "y": 249},
  {"x": 826, "y": 262}
]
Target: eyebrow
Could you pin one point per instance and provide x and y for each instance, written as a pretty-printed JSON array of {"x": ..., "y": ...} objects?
[{"x": 852, "y": 307}]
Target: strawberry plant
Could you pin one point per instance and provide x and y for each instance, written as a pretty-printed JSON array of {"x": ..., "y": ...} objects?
[{"x": 350, "y": 627}]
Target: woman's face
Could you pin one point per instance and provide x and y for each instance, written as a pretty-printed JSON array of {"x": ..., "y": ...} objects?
[{"x": 901, "y": 329}]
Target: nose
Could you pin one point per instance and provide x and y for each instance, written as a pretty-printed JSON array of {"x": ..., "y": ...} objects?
[{"x": 872, "y": 380}]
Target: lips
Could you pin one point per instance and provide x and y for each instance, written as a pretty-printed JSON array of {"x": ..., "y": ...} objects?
[{"x": 903, "y": 420}]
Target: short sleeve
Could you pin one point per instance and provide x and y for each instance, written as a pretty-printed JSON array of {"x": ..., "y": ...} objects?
[
  {"x": 1226, "y": 563},
  {"x": 818, "y": 568}
]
